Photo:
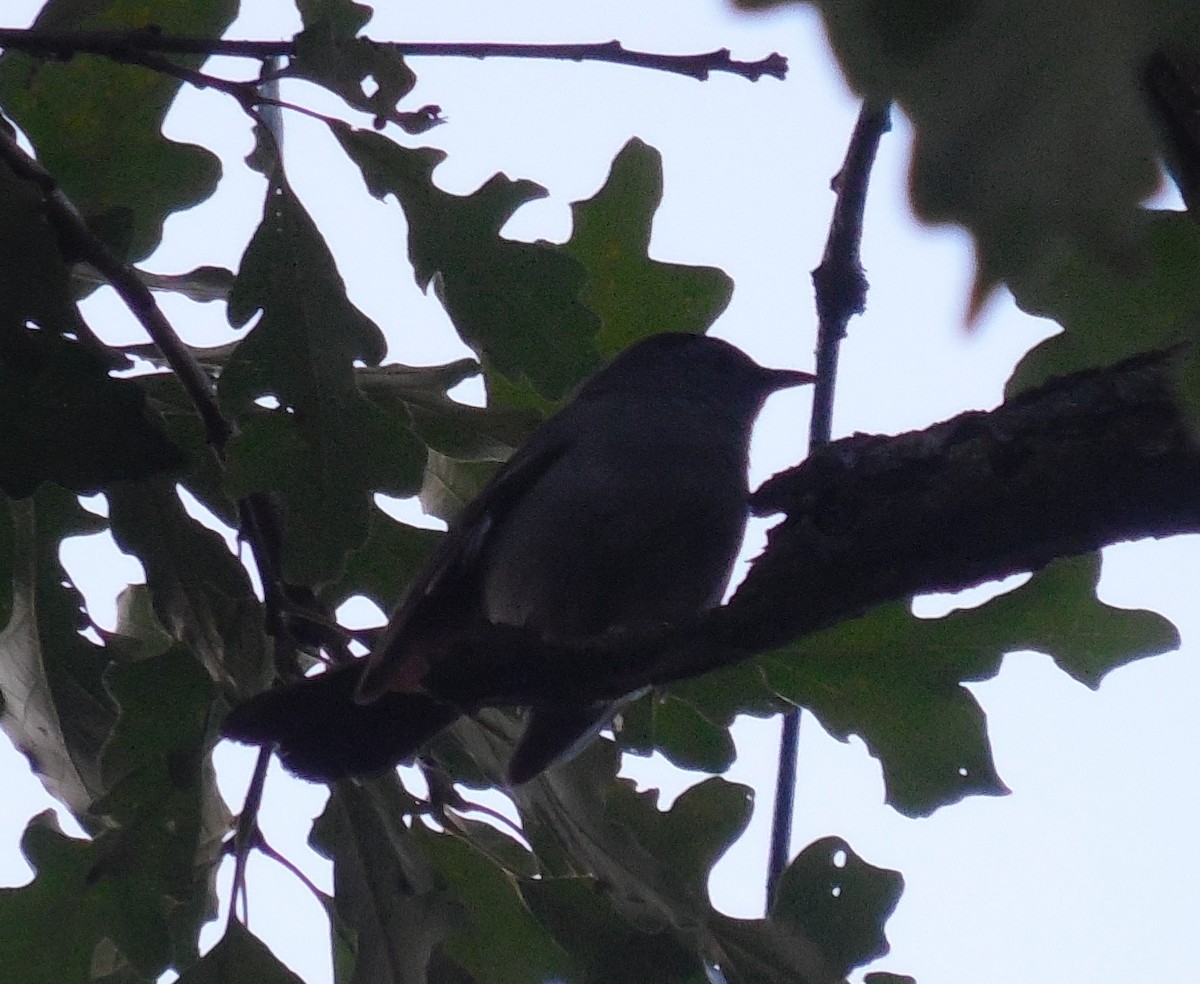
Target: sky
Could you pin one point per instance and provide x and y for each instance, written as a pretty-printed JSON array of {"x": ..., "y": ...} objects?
[{"x": 1090, "y": 869}]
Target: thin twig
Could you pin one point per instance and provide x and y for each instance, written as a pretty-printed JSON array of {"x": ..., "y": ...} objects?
[
  {"x": 246, "y": 836},
  {"x": 120, "y": 44},
  {"x": 841, "y": 293},
  {"x": 261, "y": 844}
]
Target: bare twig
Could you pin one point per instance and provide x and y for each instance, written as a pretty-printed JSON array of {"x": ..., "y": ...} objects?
[
  {"x": 246, "y": 835},
  {"x": 123, "y": 45},
  {"x": 841, "y": 292},
  {"x": 261, "y": 844}
]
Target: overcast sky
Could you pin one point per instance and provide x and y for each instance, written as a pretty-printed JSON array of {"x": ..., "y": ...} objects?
[{"x": 1090, "y": 870}]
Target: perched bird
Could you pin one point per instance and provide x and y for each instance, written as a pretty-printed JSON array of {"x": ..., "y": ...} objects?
[{"x": 625, "y": 509}]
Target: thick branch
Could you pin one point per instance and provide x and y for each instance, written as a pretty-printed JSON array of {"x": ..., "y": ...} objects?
[
  {"x": 1087, "y": 460},
  {"x": 120, "y": 44}
]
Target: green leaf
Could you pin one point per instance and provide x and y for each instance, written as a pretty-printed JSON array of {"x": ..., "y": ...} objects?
[
  {"x": 327, "y": 448},
  {"x": 1005, "y": 109},
  {"x": 34, "y": 279},
  {"x": 130, "y": 898},
  {"x": 896, "y": 680},
  {"x": 341, "y": 16},
  {"x": 646, "y": 909},
  {"x": 138, "y": 628},
  {"x": 392, "y": 555},
  {"x": 97, "y": 125},
  {"x": 56, "y": 710},
  {"x": 606, "y": 947},
  {"x": 676, "y": 728},
  {"x": 840, "y": 901},
  {"x": 500, "y": 942},
  {"x": 165, "y": 820},
  {"x": 386, "y": 891},
  {"x": 201, "y": 592},
  {"x": 634, "y": 295},
  {"x": 60, "y": 905},
  {"x": 204, "y": 283},
  {"x": 449, "y": 484},
  {"x": 689, "y": 839},
  {"x": 239, "y": 958},
  {"x": 1110, "y": 315},
  {"x": 328, "y": 53},
  {"x": 452, "y": 428},
  {"x": 67, "y": 421},
  {"x": 515, "y": 304}
]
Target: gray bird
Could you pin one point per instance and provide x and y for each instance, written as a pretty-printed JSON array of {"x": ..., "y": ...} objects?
[{"x": 624, "y": 510}]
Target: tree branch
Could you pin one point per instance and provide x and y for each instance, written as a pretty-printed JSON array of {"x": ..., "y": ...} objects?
[
  {"x": 1087, "y": 460},
  {"x": 841, "y": 293},
  {"x": 124, "y": 45}
]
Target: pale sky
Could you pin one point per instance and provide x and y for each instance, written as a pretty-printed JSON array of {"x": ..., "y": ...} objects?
[{"x": 1090, "y": 870}]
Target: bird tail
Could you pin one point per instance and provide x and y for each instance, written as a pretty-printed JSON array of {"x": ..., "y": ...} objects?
[
  {"x": 322, "y": 734},
  {"x": 555, "y": 734}
]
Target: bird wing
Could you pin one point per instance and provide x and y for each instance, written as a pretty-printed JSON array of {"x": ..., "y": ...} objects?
[{"x": 449, "y": 583}]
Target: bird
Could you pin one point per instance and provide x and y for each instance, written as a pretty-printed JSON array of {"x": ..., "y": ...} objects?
[{"x": 624, "y": 510}]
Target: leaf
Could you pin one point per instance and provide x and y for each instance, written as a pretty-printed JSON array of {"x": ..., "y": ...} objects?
[
  {"x": 392, "y": 555},
  {"x": 341, "y": 16},
  {"x": 67, "y": 421},
  {"x": 677, "y": 729},
  {"x": 1005, "y": 113},
  {"x": 515, "y": 304},
  {"x": 702, "y": 824},
  {"x": 896, "y": 680},
  {"x": 500, "y": 942},
  {"x": 34, "y": 279},
  {"x": 58, "y": 904},
  {"x": 384, "y": 887},
  {"x": 97, "y": 125},
  {"x": 328, "y": 53},
  {"x": 327, "y": 448},
  {"x": 449, "y": 484},
  {"x": 458, "y": 431},
  {"x": 839, "y": 900},
  {"x": 649, "y": 873},
  {"x": 634, "y": 295},
  {"x": 56, "y": 710},
  {"x": 201, "y": 592},
  {"x": 165, "y": 819},
  {"x": 204, "y": 283},
  {"x": 606, "y": 947},
  {"x": 127, "y": 897},
  {"x": 1111, "y": 315},
  {"x": 239, "y": 958},
  {"x": 204, "y": 476}
]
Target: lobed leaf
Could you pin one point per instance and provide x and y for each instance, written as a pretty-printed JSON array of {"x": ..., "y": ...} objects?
[{"x": 97, "y": 124}]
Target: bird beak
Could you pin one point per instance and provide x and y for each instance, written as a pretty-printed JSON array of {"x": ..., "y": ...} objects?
[{"x": 778, "y": 379}]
